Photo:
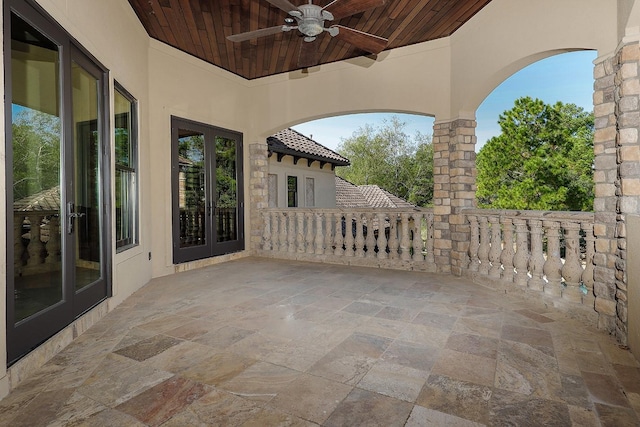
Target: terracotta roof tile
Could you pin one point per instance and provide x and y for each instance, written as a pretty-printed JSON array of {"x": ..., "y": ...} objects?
[
  {"x": 45, "y": 200},
  {"x": 288, "y": 141},
  {"x": 349, "y": 195}
]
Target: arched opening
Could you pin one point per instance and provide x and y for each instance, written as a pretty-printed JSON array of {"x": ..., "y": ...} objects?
[
  {"x": 386, "y": 153},
  {"x": 535, "y": 138}
]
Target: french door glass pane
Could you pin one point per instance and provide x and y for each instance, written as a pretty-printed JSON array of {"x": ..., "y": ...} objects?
[
  {"x": 36, "y": 136},
  {"x": 87, "y": 173},
  {"x": 191, "y": 188},
  {"x": 226, "y": 188}
]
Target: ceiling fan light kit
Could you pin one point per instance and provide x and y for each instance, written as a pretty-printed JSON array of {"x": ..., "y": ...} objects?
[{"x": 310, "y": 20}]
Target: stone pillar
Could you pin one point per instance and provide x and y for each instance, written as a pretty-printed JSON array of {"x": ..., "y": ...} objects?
[
  {"x": 258, "y": 192},
  {"x": 617, "y": 179},
  {"x": 454, "y": 177}
]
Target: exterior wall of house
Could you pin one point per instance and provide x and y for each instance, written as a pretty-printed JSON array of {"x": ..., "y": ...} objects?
[
  {"x": 323, "y": 179},
  {"x": 447, "y": 78}
]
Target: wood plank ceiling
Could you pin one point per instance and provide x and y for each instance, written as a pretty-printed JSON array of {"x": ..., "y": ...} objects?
[{"x": 200, "y": 28}]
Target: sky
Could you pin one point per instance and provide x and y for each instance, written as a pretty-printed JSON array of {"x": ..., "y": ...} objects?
[{"x": 566, "y": 77}]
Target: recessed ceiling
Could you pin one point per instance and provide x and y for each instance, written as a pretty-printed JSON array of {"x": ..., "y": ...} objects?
[{"x": 200, "y": 28}]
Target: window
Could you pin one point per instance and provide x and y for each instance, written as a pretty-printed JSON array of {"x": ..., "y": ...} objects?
[
  {"x": 273, "y": 190},
  {"x": 309, "y": 193},
  {"x": 292, "y": 191},
  {"x": 126, "y": 159}
]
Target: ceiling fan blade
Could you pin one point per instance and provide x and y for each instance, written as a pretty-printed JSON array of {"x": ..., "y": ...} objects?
[
  {"x": 284, "y": 5},
  {"x": 257, "y": 33},
  {"x": 365, "y": 41},
  {"x": 309, "y": 54},
  {"x": 343, "y": 8}
]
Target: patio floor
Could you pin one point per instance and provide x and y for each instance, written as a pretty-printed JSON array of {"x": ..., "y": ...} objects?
[{"x": 260, "y": 342}]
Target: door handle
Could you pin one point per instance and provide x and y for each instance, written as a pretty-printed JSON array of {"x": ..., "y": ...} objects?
[{"x": 71, "y": 215}]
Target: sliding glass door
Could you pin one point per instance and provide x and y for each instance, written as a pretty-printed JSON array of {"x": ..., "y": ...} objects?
[
  {"x": 56, "y": 248},
  {"x": 207, "y": 191}
]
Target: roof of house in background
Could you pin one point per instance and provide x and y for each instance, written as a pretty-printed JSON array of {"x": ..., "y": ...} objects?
[
  {"x": 292, "y": 143},
  {"x": 349, "y": 195},
  {"x": 47, "y": 200}
]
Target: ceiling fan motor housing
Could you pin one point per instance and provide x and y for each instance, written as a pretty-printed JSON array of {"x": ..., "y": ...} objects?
[{"x": 311, "y": 20}]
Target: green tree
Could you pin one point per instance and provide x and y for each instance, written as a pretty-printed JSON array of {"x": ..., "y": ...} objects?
[
  {"x": 542, "y": 160},
  {"x": 36, "y": 152},
  {"x": 386, "y": 156}
]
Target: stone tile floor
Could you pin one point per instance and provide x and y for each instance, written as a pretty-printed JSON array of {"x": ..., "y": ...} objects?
[{"x": 260, "y": 342}]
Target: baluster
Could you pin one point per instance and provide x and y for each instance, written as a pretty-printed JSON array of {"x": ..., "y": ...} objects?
[
  {"x": 35, "y": 247},
  {"x": 284, "y": 232},
  {"x": 328, "y": 232},
  {"x": 18, "y": 247},
  {"x": 291, "y": 231},
  {"x": 299, "y": 233},
  {"x": 572, "y": 269},
  {"x": 382, "y": 236},
  {"x": 275, "y": 232},
  {"x": 309, "y": 244},
  {"x": 429, "y": 245},
  {"x": 404, "y": 239},
  {"x": 53, "y": 245},
  {"x": 508, "y": 251},
  {"x": 370, "y": 241},
  {"x": 587, "y": 274},
  {"x": 319, "y": 241},
  {"x": 474, "y": 243},
  {"x": 266, "y": 231},
  {"x": 338, "y": 236},
  {"x": 496, "y": 247},
  {"x": 393, "y": 235},
  {"x": 521, "y": 258},
  {"x": 417, "y": 237},
  {"x": 483, "y": 251},
  {"x": 349, "y": 242},
  {"x": 359, "y": 236},
  {"x": 536, "y": 262},
  {"x": 553, "y": 265}
]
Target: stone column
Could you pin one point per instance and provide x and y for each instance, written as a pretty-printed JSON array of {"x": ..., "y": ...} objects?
[
  {"x": 258, "y": 192},
  {"x": 454, "y": 177},
  {"x": 617, "y": 179}
]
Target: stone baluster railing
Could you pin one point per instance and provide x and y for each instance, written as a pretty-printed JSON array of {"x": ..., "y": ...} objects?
[
  {"x": 338, "y": 235},
  {"x": 36, "y": 242},
  {"x": 552, "y": 253},
  {"x": 496, "y": 249},
  {"x": 508, "y": 252},
  {"x": 474, "y": 243},
  {"x": 370, "y": 240},
  {"x": 381, "y": 243},
  {"x": 390, "y": 238},
  {"x": 553, "y": 265},
  {"x": 485, "y": 245},
  {"x": 572, "y": 269}
]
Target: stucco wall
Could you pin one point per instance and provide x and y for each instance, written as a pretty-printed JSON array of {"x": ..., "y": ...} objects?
[{"x": 324, "y": 181}]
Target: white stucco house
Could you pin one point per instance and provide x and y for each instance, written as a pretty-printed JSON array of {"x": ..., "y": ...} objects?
[{"x": 301, "y": 171}]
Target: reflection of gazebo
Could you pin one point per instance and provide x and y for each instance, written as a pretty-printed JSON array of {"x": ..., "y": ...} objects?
[{"x": 37, "y": 248}]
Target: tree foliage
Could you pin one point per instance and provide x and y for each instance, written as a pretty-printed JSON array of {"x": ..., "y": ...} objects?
[
  {"x": 36, "y": 152},
  {"x": 542, "y": 160},
  {"x": 386, "y": 156}
]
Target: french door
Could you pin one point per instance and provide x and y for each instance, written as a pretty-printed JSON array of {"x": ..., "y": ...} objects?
[
  {"x": 207, "y": 188},
  {"x": 57, "y": 249}
]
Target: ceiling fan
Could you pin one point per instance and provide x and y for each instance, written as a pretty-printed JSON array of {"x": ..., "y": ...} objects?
[{"x": 309, "y": 20}]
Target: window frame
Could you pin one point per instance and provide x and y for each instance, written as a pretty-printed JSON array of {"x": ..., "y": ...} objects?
[
  {"x": 296, "y": 201},
  {"x": 133, "y": 169}
]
